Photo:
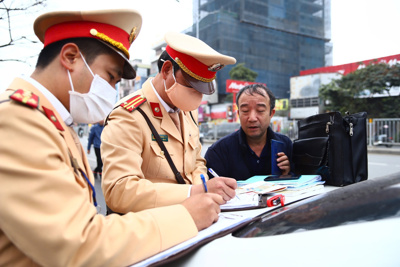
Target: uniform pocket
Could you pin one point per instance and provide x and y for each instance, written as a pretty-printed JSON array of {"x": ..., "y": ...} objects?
[
  {"x": 154, "y": 161},
  {"x": 191, "y": 154}
]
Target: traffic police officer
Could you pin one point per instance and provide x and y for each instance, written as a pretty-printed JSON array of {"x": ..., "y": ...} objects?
[
  {"x": 48, "y": 214},
  {"x": 137, "y": 173}
]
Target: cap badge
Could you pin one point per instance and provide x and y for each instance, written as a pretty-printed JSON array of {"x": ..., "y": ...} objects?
[
  {"x": 216, "y": 67},
  {"x": 109, "y": 40},
  {"x": 132, "y": 36}
]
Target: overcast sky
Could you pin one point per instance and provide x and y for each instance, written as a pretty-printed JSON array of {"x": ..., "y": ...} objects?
[{"x": 361, "y": 29}]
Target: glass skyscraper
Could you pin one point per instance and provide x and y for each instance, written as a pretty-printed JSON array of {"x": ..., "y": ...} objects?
[{"x": 275, "y": 38}]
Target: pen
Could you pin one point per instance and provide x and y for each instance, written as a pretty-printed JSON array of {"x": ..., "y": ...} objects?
[
  {"x": 213, "y": 172},
  {"x": 204, "y": 182},
  {"x": 216, "y": 175}
]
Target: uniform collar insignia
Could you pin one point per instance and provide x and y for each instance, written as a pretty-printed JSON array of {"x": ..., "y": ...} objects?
[
  {"x": 156, "y": 109},
  {"x": 52, "y": 117}
]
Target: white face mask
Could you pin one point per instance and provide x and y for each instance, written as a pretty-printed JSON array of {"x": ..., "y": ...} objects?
[{"x": 95, "y": 105}]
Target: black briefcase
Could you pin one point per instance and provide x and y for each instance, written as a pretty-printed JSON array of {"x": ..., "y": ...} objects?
[{"x": 332, "y": 146}]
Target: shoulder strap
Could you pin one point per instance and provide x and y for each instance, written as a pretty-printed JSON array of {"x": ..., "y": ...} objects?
[
  {"x": 133, "y": 103},
  {"x": 130, "y": 105},
  {"x": 29, "y": 99},
  {"x": 191, "y": 115},
  {"x": 178, "y": 176},
  {"x": 26, "y": 98}
]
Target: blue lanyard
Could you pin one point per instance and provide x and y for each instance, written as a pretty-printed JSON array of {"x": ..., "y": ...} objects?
[{"x": 91, "y": 185}]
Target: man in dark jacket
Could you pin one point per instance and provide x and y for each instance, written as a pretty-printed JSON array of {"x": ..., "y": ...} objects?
[
  {"x": 247, "y": 152},
  {"x": 95, "y": 139}
]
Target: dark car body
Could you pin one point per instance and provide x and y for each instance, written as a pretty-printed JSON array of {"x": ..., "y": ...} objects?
[
  {"x": 356, "y": 225},
  {"x": 358, "y": 203}
]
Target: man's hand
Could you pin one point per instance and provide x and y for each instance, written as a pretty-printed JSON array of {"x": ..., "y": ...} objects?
[
  {"x": 88, "y": 151},
  {"x": 204, "y": 209},
  {"x": 222, "y": 186},
  {"x": 283, "y": 163}
]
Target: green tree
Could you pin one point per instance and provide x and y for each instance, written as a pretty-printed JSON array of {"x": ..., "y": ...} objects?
[
  {"x": 241, "y": 73},
  {"x": 354, "y": 92}
]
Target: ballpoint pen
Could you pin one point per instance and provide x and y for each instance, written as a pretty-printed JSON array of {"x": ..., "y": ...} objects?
[
  {"x": 204, "y": 182},
  {"x": 213, "y": 172}
]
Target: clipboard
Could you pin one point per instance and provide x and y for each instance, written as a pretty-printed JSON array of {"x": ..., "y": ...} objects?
[
  {"x": 252, "y": 196},
  {"x": 277, "y": 178},
  {"x": 222, "y": 227}
]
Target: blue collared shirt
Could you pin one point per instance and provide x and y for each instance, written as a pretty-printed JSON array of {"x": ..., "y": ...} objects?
[{"x": 231, "y": 156}]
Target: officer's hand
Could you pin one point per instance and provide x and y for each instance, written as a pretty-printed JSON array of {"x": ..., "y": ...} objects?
[
  {"x": 222, "y": 186},
  {"x": 88, "y": 151},
  {"x": 283, "y": 163},
  {"x": 204, "y": 209}
]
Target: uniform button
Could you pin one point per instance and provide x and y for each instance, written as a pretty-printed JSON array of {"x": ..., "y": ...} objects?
[
  {"x": 185, "y": 150},
  {"x": 258, "y": 161}
]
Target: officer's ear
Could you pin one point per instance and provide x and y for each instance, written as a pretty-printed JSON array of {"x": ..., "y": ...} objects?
[
  {"x": 68, "y": 56},
  {"x": 166, "y": 69}
]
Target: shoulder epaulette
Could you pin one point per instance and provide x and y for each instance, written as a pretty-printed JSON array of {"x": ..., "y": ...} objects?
[
  {"x": 26, "y": 98},
  {"x": 133, "y": 103}
]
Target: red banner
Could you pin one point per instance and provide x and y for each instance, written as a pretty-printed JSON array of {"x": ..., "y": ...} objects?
[
  {"x": 233, "y": 86},
  {"x": 350, "y": 67}
]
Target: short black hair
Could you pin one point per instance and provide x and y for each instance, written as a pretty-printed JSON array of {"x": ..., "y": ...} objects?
[
  {"x": 257, "y": 89},
  {"x": 165, "y": 57},
  {"x": 89, "y": 47}
]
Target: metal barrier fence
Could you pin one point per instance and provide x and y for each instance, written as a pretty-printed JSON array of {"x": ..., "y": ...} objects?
[
  {"x": 384, "y": 132},
  {"x": 380, "y": 132}
]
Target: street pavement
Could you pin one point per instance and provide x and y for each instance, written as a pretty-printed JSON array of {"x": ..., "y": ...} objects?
[{"x": 394, "y": 150}]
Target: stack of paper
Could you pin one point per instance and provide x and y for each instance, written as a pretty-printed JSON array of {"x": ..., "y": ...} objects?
[
  {"x": 260, "y": 187},
  {"x": 305, "y": 184},
  {"x": 243, "y": 200}
]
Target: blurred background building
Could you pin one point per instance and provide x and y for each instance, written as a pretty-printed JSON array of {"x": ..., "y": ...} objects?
[{"x": 275, "y": 38}]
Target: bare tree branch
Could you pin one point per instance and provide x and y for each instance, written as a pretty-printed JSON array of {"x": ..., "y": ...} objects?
[{"x": 7, "y": 10}]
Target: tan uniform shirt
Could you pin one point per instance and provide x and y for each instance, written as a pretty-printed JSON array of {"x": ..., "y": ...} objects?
[
  {"x": 136, "y": 174},
  {"x": 47, "y": 216}
]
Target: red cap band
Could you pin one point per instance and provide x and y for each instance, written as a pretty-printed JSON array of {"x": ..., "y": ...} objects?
[
  {"x": 193, "y": 65},
  {"x": 76, "y": 29}
]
